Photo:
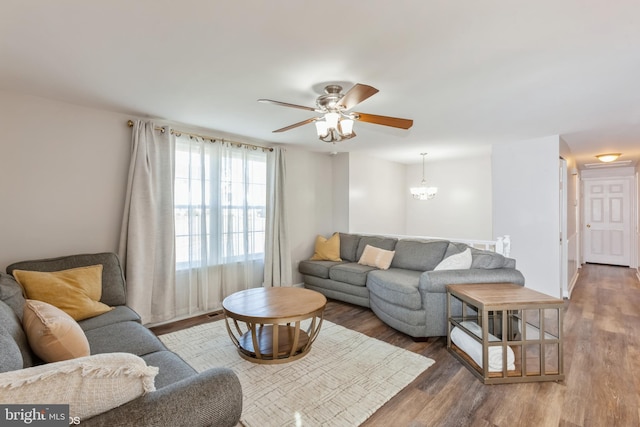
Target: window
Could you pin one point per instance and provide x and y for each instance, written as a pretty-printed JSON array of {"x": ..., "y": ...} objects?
[{"x": 220, "y": 203}]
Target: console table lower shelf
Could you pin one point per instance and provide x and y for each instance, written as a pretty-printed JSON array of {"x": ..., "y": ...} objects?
[{"x": 505, "y": 333}]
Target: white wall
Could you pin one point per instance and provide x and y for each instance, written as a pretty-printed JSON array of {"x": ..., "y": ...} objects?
[
  {"x": 525, "y": 205},
  {"x": 572, "y": 211},
  {"x": 341, "y": 185},
  {"x": 462, "y": 207},
  {"x": 376, "y": 195},
  {"x": 309, "y": 202},
  {"x": 62, "y": 179},
  {"x": 637, "y": 221}
]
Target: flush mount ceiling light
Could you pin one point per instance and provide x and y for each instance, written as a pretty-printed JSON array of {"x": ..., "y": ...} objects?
[
  {"x": 423, "y": 192},
  {"x": 609, "y": 157},
  {"x": 336, "y": 122}
]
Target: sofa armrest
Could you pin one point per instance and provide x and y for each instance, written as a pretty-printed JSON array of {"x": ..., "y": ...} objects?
[
  {"x": 213, "y": 397},
  {"x": 436, "y": 281}
]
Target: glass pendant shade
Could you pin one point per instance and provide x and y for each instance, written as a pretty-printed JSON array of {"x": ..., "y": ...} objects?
[
  {"x": 321, "y": 128},
  {"x": 332, "y": 120},
  {"x": 346, "y": 125}
]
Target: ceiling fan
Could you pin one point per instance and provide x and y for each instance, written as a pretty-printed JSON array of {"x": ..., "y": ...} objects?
[{"x": 336, "y": 122}]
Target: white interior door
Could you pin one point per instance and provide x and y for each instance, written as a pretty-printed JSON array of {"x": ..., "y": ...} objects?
[{"x": 607, "y": 221}]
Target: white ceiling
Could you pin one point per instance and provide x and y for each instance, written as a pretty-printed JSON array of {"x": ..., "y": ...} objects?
[{"x": 469, "y": 73}]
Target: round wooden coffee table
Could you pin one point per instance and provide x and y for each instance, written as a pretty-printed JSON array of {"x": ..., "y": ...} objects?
[{"x": 265, "y": 323}]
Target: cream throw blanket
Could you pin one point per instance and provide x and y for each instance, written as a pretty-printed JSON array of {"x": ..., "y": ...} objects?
[{"x": 474, "y": 349}]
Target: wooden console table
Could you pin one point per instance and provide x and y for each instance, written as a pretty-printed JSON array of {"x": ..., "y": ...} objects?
[{"x": 518, "y": 323}]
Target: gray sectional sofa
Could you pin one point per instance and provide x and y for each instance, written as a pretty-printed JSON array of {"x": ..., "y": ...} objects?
[
  {"x": 182, "y": 397},
  {"x": 410, "y": 296}
]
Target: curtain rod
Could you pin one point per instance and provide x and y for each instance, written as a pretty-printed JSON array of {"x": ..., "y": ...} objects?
[{"x": 177, "y": 132}]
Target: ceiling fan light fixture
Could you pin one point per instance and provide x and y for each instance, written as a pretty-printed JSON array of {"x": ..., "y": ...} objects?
[
  {"x": 609, "y": 157},
  {"x": 336, "y": 123}
]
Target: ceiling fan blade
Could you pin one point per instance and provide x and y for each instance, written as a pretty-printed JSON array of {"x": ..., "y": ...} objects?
[
  {"x": 356, "y": 95},
  {"x": 295, "y": 125},
  {"x": 384, "y": 120},
  {"x": 286, "y": 104}
]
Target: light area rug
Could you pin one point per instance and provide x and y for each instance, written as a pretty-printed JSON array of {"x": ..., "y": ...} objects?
[{"x": 345, "y": 378}]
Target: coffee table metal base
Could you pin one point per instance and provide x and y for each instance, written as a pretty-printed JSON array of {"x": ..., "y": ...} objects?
[{"x": 273, "y": 343}]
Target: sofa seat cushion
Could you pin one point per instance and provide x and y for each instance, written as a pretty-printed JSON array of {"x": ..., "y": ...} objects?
[
  {"x": 396, "y": 286},
  {"x": 351, "y": 273},
  {"x": 419, "y": 255},
  {"x": 125, "y": 337},
  {"x": 171, "y": 367},
  {"x": 316, "y": 268},
  {"x": 121, "y": 313}
]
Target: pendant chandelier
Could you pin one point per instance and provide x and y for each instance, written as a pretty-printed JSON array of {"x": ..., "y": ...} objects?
[{"x": 423, "y": 192}]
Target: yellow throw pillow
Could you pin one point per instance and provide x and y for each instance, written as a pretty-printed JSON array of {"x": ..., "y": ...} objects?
[
  {"x": 327, "y": 249},
  {"x": 376, "y": 257},
  {"x": 53, "y": 335},
  {"x": 76, "y": 291}
]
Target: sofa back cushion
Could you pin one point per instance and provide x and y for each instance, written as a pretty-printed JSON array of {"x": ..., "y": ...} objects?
[
  {"x": 15, "y": 352},
  {"x": 113, "y": 284},
  {"x": 419, "y": 255},
  {"x": 386, "y": 243},
  {"x": 11, "y": 293},
  {"x": 349, "y": 247},
  {"x": 487, "y": 260},
  {"x": 10, "y": 355}
]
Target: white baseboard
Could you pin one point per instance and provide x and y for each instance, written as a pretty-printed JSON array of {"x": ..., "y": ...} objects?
[{"x": 574, "y": 279}]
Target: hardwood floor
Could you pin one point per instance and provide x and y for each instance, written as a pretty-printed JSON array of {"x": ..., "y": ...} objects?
[{"x": 601, "y": 364}]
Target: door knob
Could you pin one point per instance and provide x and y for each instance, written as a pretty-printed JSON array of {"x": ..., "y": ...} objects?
[{"x": 588, "y": 225}]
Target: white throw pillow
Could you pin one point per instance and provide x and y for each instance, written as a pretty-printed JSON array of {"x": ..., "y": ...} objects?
[
  {"x": 89, "y": 385},
  {"x": 461, "y": 261}
]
